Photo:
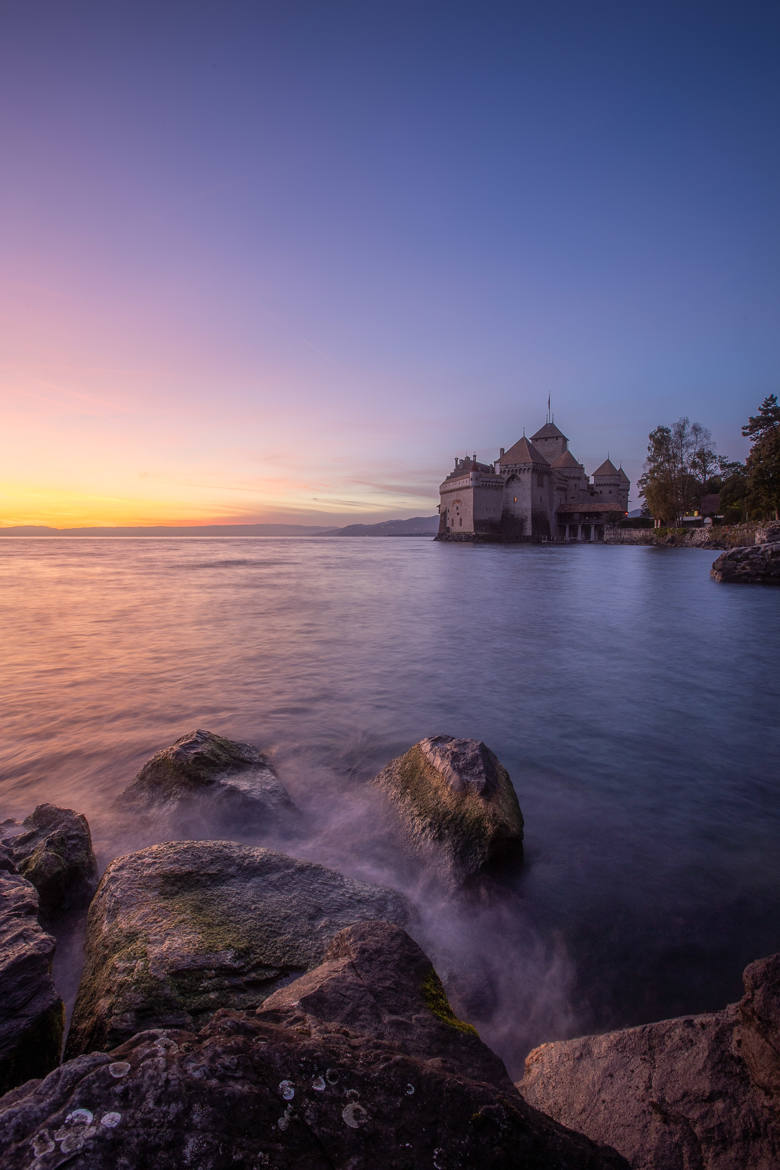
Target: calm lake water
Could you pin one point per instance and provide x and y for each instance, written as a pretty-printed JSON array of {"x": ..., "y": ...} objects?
[{"x": 634, "y": 702}]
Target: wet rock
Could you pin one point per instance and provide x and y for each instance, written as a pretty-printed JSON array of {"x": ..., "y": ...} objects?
[
  {"x": 349, "y": 1067},
  {"x": 455, "y": 800},
  {"x": 31, "y": 1012},
  {"x": 232, "y": 783},
  {"x": 179, "y": 930},
  {"x": 699, "y": 1091},
  {"x": 757, "y": 564},
  {"x": 52, "y": 848}
]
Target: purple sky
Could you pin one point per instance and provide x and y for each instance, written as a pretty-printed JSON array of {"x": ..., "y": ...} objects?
[{"x": 283, "y": 260}]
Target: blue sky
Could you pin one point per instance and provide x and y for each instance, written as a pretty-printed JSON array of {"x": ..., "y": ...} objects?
[{"x": 284, "y": 260}]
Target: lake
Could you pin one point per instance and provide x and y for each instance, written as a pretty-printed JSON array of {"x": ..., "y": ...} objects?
[{"x": 634, "y": 702}]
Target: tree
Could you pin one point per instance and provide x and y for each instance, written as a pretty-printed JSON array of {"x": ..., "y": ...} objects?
[
  {"x": 763, "y": 462},
  {"x": 680, "y": 465},
  {"x": 733, "y": 491}
]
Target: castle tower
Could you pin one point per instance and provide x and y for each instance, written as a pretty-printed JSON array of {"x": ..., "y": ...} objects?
[
  {"x": 550, "y": 441},
  {"x": 528, "y": 505}
]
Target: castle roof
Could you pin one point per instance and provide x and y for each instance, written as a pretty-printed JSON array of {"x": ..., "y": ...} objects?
[
  {"x": 607, "y": 468},
  {"x": 623, "y": 475},
  {"x": 566, "y": 459},
  {"x": 549, "y": 431},
  {"x": 523, "y": 452}
]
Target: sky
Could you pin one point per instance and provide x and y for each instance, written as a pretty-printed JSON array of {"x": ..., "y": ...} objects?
[{"x": 282, "y": 261}]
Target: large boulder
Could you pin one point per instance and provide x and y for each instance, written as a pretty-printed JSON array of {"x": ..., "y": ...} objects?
[
  {"x": 229, "y": 784},
  {"x": 359, "y": 1065},
  {"x": 455, "y": 802},
  {"x": 179, "y": 930},
  {"x": 757, "y": 564},
  {"x": 52, "y": 848},
  {"x": 31, "y": 1012},
  {"x": 700, "y": 1091}
]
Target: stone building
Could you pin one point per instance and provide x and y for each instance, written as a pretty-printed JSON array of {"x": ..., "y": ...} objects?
[{"x": 534, "y": 491}]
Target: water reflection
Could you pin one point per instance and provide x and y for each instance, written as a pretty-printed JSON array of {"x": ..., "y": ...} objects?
[{"x": 633, "y": 701}]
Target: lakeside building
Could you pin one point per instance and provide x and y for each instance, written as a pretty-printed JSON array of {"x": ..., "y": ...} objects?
[{"x": 534, "y": 491}]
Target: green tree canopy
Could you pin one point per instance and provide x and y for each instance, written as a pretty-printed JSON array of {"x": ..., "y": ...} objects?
[
  {"x": 763, "y": 462},
  {"x": 680, "y": 466}
]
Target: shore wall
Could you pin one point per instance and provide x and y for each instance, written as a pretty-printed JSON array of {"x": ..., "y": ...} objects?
[{"x": 713, "y": 536}]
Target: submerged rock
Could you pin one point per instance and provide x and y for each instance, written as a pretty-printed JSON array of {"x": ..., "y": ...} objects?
[
  {"x": 455, "y": 798},
  {"x": 233, "y": 782},
  {"x": 699, "y": 1091},
  {"x": 31, "y": 1012},
  {"x": 177, "y": 931},
  {"x": 53, "y": 850},
  {"x": 757, "y": 564},
  {"x": 353, "y": 1066}
]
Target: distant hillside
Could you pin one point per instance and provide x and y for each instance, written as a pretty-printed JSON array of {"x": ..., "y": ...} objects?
[
  {"x": 417, "y": 526},
  {"x": 174, "y": 530}
]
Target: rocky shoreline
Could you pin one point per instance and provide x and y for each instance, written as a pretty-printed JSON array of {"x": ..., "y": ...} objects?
[{"x": 240, "y": 1007}]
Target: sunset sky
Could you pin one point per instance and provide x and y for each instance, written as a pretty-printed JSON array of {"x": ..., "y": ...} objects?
[{"x": 282, "y": 261}]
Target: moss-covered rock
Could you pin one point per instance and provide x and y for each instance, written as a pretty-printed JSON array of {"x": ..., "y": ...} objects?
[
  {"x": 346, "y": 1067},
  {"x": 230, "y": 785},
  {"x": 180, "y": 930},
  {"x": 456, "y": 802}
]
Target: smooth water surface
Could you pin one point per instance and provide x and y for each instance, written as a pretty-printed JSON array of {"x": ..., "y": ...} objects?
[{"x": 634, "y": 702}]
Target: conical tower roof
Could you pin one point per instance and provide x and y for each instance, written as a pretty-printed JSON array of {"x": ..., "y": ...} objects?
[
  {"x": 523, "y": 452},
  {"x": 607, "y": 468},
  {"x": 566, "y": 459},
  {"x": 549, "y": 431}
]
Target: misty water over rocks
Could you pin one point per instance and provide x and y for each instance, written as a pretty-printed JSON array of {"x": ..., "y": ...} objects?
[{"x": 632, "y": 699}]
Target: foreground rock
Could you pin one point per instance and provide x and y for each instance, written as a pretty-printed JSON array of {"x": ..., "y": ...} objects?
[
  {"x": 232, "y": 783},
  {"x": 359, "y": 1065},
  {"x": 700, "y": 1091},
  {"x": 455, "y": 799},
  {"x": 177, "y": 931},
  {"x": 52, "y": 848},
  {"x": 31, "y": 1012},
  {"x": 757, "y": 564}
]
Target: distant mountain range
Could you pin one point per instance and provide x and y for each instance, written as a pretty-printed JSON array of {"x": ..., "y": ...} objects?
[{"x": 417, "y": 526}]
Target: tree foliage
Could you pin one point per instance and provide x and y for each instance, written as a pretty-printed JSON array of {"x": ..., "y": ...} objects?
[
  {"x": 763, "y": 462},
  {"x": 680, "y": 468}
]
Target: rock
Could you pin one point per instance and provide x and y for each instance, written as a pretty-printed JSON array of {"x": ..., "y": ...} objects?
[
  {"x": 455, "y": 799},
  {"x": 699, "y": 1091},
  {"x": 757, "y": 564},
  {"x": 179, "y": 930},
  {"x": 769, "y": 532},
  {"x": 232, "y": 783},
  {"x": 31, "y": 1012},
  {"x": 52, "y": 848},
  {"x": 353, "y": 1067}
]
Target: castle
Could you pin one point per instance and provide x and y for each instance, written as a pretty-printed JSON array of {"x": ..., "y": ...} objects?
[{"x": 535, "y": 491}]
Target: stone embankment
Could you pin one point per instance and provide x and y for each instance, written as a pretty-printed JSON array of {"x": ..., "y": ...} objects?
[
  {"x": 243, "y": 1008},
  {"x": 711, "y": 536}
]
